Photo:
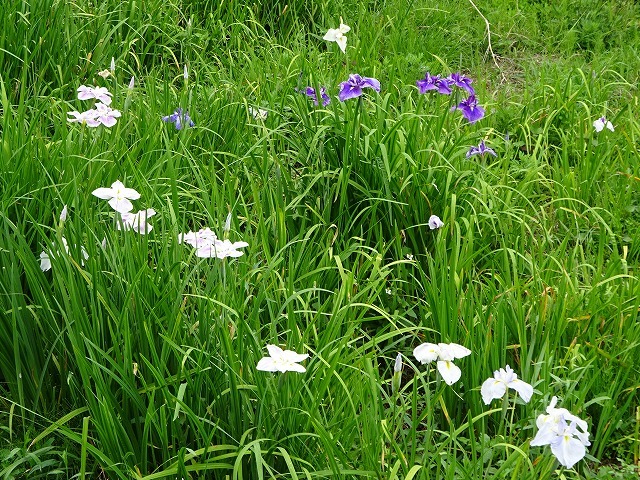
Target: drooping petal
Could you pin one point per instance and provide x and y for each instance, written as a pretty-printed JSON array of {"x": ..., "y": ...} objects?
[
  {"x": 599, "y": 124},
  {"x": 426, "y": 353},
  {"x": 371, "y": 83},
  {"x": 331, "y": 35},
  {"x": 523, "y": 388},
  {"x": 458, "y": 351},
  {"x": 103, "y": 193},
  {"x": 347, "y": 91},
  {"x": 275, "y": 351},
  {"x": 544, "y": 436},
  {"x": 492, "y": 389},
  {"x": 85, "y": 93},
  {"x": 291, "y": 356},
  {"x": 267, "y": 364},
  {"x": 108, "y": 120},
  {"x": 130, "y": 193},
  {"x": 342, "y": 43},
  {"x": 450, "y": 373},
  {"x": 568, "y": 450},
  {"x": 45, "y": 261},
  {"x": 121, "y": 205},
  {"x": 294, "y": 367}
]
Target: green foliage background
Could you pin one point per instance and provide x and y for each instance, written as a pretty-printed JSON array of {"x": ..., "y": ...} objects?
[{"x": 140, "y": 363}]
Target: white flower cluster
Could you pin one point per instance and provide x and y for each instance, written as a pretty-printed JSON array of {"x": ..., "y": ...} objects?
[
  {"x": 564, "y": 432},
  {"x": 120, "y": 200},
  {"x": 208, "y": 245},
  {"x": 45, "y": 257},
  {"x": 101, "y": 114}
]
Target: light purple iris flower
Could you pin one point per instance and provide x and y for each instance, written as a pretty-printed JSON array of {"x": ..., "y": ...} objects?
[
  {"x": 459, "y": 80},
  {"x": 352, "y": 88},
  {"x": 102, "y": 114},
  {"x": 106, "y": 115},
  {"x": 179, "y": 118},
  {"x": 311, "y": 93},
  {"x": 470, "y": 109},
  {"x": 481, "y": 150},
  {"x": 434, "y": 82}
]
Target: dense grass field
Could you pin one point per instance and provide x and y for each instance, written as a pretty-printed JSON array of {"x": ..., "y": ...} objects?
[{"x": 131, "y": 352}]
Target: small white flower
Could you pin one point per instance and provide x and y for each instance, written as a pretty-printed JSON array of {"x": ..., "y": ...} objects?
[
  {"x": 118, "y": 195},
  {"x": 137, "y": 221},
  {"x": 338, "y": 35},
  {"x": 435, "y": 222},
  {"x": 208, "y": 245},
  {"x": 282, "y": 361},
  {"x": 105, "y": 74},
  {"x": 45, "y": 261},
  {"x": 397, "y": 365},
  {"x": 221, "y": 249},
  {"x": 45, "y": 257},
  {"x": 444, "y": 353},
  {"x": 197, "y": 239},
  {"x": 85, "y": 118},
  {"x": 258, "y": 113},
  {"x": 396, "y": 379},
  {"x": 503, "y": 379},
  {"x": 409, "y": 256},
  {"x": 99, "y": 93},
  {"x": 387, "y": 291},
  {"x": 227, "y": 223},
  {"x": 601, "y": 123},
  {"x": 64, "y": 214}
]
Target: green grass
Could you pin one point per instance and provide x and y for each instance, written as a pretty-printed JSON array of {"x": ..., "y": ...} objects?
[{"x": 140, "y": 362}]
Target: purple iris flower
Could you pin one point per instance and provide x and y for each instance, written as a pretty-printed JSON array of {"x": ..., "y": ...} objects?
[
  {"x": 434, "y": 82},
  {"x": 481, "y": 150},
  {"x": 459, "y": 80},
  {"x": 311, "y": 93},
  {"x": 470, "y": 109},
  {"x": 179, "y": 118},
  {"x": 352, "y": 88}
]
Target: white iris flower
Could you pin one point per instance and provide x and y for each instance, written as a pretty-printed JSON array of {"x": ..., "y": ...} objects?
[
  {"x": 338, "y": 35},
  {"x": 503, "y": 379},
  {"x": 444, "y": 353},
  {"x": 282, "y": 361}
]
